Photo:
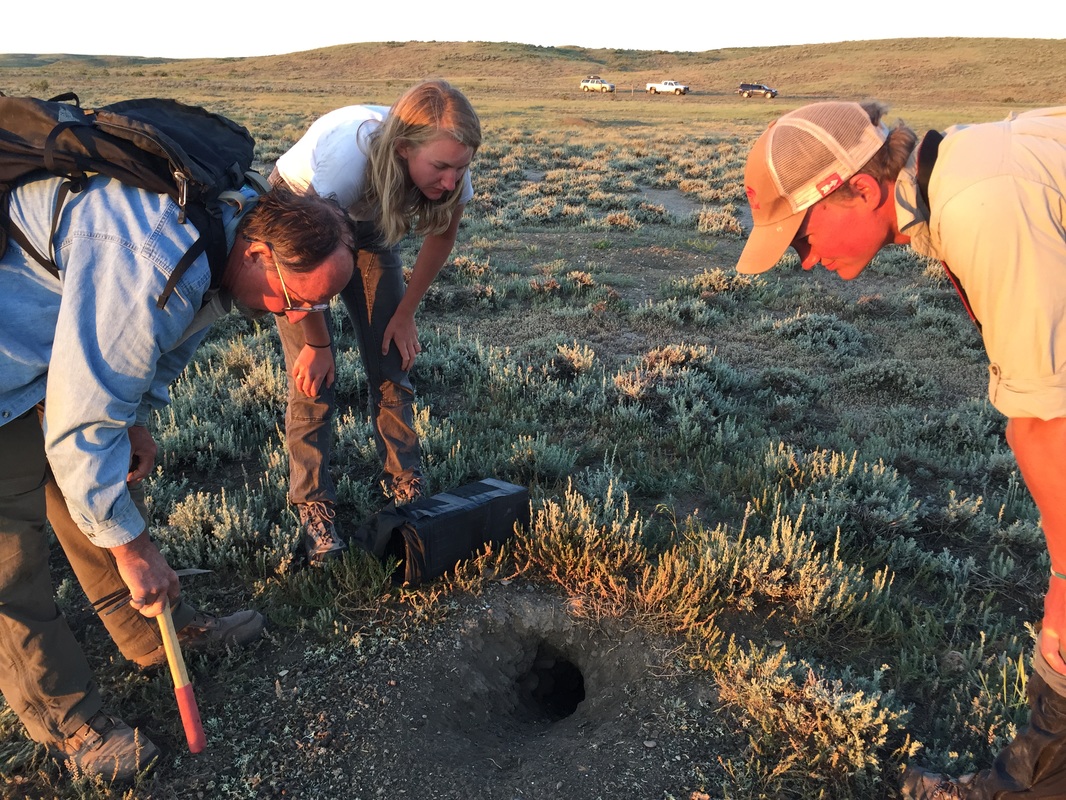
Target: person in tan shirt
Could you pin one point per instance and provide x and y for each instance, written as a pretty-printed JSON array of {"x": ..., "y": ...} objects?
[{"x": 834, "y": 183}]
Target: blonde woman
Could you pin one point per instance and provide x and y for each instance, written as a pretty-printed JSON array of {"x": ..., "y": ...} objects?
[{"x": 398, "y": 170}]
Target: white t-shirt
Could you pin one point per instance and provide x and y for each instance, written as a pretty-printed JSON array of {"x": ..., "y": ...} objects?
[{"x": 332, "y": 158}]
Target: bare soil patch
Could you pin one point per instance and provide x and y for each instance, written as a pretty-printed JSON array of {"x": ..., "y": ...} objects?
[{"x": 509, "y": 696}]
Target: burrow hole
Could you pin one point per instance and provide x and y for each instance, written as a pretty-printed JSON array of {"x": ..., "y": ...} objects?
[{"x": 551, "y": 689}]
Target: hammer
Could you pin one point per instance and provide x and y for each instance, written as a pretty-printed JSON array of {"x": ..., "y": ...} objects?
[{"x": 190, "y": 714}]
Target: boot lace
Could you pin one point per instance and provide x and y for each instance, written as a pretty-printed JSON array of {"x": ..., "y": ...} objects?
[{"x": 317, "y": 519}]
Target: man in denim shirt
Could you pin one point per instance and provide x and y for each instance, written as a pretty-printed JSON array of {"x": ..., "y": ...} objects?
[{"x": 84, "y": 360}]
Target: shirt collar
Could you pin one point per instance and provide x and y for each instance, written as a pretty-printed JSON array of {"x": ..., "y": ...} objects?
[{"x": 912, "y": 214}]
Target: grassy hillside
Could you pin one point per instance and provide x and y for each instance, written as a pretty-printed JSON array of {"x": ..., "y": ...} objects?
[
  {"x": 928, "y": 82},
  {"x": 957, "y": 72}
]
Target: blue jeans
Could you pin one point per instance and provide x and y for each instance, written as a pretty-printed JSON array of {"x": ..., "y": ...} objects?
[{"x": 371, "y": 298}]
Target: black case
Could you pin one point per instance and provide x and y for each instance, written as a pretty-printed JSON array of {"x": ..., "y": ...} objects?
[{"x": 429, "y": 536}]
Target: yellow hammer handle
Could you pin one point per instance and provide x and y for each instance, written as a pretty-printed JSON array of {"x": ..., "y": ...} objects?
[{"x": 190, "y": 714}]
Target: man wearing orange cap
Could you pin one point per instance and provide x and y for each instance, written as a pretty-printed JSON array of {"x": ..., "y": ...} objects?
[{"x": 834, "y": 183}]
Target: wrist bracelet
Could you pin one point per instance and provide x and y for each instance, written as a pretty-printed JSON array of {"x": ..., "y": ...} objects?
[
  {"x": 319, "y": 346},
  {"x": 1058, "y": 575}
]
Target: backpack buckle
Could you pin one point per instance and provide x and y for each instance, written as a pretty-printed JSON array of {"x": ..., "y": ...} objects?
[{"x": 183, "y": 193}]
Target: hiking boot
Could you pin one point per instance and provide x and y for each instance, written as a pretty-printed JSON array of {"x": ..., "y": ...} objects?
[
  {"x": 921, "y": 785},
  {"x": 404, "y": 492},
  {"x": 206, "y": 632},
  {"x": 108, "y": 747},
  {"x": 320, "y": 540}
]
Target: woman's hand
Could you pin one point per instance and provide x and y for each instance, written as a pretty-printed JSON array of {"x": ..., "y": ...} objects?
[
  {"x": 402, "y": 332},
  {"x": 401, "y": 329}
]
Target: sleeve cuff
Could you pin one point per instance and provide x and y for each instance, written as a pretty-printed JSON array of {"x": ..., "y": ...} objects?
[
  {"x": 1042, "y": 398},
  {"x": 121, "y": 529}
]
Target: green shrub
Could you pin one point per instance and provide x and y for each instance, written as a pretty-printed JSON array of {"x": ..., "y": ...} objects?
[{"x": 820, "y": 334}]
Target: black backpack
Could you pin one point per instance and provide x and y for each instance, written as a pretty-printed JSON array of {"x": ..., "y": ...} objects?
[{"x": 198, "y": 158}]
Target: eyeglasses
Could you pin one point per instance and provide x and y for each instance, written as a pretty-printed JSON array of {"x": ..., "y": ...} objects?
[{"x": 311, "y": 308}]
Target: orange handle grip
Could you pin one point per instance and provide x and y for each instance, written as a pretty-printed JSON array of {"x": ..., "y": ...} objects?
[
  {"x": 190, "y": 718},
  {"x": 190, "y": 714}
]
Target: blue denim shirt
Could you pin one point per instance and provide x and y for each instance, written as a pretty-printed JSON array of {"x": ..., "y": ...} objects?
[{"x": 92, "y": 342}]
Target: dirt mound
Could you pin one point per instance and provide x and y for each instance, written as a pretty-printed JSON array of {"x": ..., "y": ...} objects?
[{"x": 508, "y": 697}]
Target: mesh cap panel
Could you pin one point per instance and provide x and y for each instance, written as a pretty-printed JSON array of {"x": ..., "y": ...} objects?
[
  {"x": 817, "y": 147},
  {"x": 801, "y": 158}
]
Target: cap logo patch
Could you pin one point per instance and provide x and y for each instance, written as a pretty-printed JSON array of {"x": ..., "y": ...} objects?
[
  {"x": 752, "y": 199},
  {"x": 830, "y": 185}
]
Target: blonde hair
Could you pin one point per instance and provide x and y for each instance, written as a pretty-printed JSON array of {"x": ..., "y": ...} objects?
[{"x": 424, "y": 112}]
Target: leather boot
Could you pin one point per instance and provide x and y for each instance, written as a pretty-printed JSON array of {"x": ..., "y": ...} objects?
[{"x": 1033, "y": 765}]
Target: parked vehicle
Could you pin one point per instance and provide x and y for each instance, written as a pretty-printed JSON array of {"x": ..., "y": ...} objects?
[
  {"x": 667, "y": 87},
  {"x": 594, "y": 83},
  {"x": 749, "y": 89}
]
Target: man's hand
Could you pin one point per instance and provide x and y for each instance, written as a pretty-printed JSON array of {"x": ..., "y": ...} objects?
[
  {"x": 1040, "y": 448},
  {"x": 313, "y": 369},
  {"x": 143, "y": 451},
  {"x": 150, "y": 579}
]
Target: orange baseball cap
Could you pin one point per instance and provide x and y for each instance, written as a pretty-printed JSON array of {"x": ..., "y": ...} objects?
[{"x": 801, "y": 158}]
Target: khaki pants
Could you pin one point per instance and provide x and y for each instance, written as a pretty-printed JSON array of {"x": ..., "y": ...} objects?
[
  {"x": 135, "y": 634},
  {"x": 43, "y": 673}
]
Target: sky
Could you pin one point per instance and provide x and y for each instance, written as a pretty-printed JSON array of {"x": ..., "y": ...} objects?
[{"x": 223, "y": 28}]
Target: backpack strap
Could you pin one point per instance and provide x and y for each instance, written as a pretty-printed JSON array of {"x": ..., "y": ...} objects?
[
  {"x": 16, "y": 233},
  {"x": 927, "y": 153},
  {"x": 244, "y": 204},
  {"x": 193, "y": 253}
]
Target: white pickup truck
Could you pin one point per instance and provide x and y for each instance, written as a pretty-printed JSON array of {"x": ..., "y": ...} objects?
[{"x": 667, "y": 87}]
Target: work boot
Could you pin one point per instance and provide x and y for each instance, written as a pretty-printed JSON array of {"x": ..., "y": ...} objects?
[
  {"x": 108, "y": 747},
  {"x": 206, "y": 632},
  {"x": 921, "y": 785},
  {"x": 318, "y": 534},
  {"x": 1033, "y": 764}
]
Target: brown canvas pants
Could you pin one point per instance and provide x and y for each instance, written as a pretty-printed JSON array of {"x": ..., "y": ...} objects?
[
  {"x": 1033, "y": 765},
  {"x": 44, "y": 675}
]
